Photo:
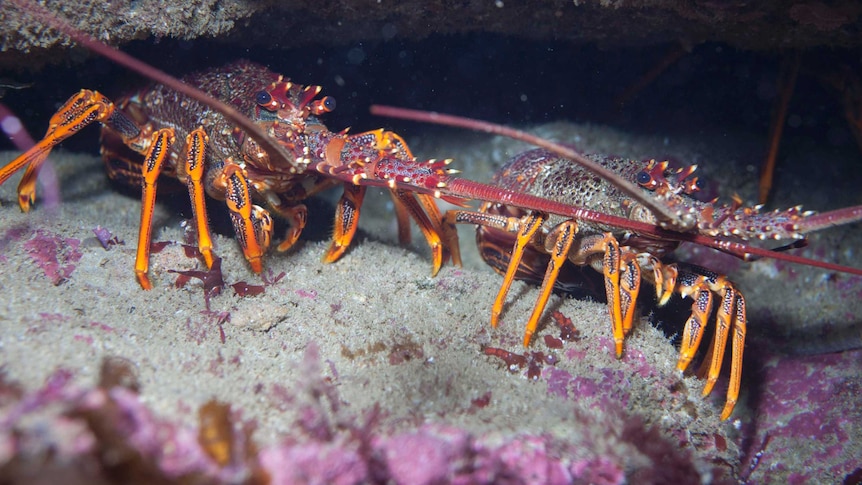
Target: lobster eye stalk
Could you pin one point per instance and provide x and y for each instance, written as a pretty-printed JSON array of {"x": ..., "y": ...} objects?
[
  {"x": 644, "y": 178},
  {"x": 264, "y": 100},
  {"x": 322, "y": 106}
]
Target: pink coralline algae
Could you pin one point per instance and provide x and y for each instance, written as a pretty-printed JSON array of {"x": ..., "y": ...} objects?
[
  {"x": 424, "y": 456},
  {"x": 56, "y": 255},
  {"x": 809, "y": 409},
  {"x": 105, "y": 434},
  {"x": 315, "y": 463},
  {"x": 607, "y": 391}
]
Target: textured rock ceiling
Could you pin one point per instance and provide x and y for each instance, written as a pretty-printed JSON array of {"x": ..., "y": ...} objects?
[{"x": 750, "y": 25}]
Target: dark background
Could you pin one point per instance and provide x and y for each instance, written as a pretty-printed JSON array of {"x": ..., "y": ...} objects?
[{"x": 492, "y": 77}]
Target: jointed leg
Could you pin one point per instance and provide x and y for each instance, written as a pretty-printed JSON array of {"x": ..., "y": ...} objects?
[
  {"x": 612, "y": 266},
  {"x": 79, "y": 111},
  {"x": 701, "y": 307},
  {"x": 366, "y": 150},
  {"x": 700, "y": 284},
  {"x": 159, "y": 150},
  {"x": 297, "y": 217},
  {"x": 739, "y": 329},
  {"x": 448, "y": 239},
  {"x": 558, "y": 243},
  {"x": 196, "y": 143},
  {"x": 252, "y": 224},
  {"x": 525, "y": 228},
  {"x": 346, "y": 221},
  {"x": 430, "y": 228},
  {"x": 630, "y": 284},
  {"x": 433, "y": 232}
]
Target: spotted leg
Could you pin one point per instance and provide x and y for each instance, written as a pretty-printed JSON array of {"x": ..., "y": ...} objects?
[
  {"x": 346, "y": 221},
  {"x": 525, "y": 227},
  {"x": 730, "y": 323},
  {"x": 561, "y": 244},
  {"x": 611, "y": 266},
  {"x": 368, "y": 150},
  {"x": 558, "y": 244},
  {"x": 196, "y": 143},
  {"x": 252, "y": 224},
  {"x": 80, "y": 110},
  {"x": 159, "y": 150}
]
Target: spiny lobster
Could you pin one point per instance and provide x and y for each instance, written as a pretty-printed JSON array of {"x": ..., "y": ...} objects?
[
  {"x": 643, "y": 213},
  {"x": 184, "y": 139},
  {"x": 284, "y": 153}
]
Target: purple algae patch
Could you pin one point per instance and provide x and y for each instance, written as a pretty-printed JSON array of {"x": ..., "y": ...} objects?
[
  {"x": 584, "y": 387},
  {"x": 604, "y": 391},
  {"x": 312, "y": 294},
  {"x": 13, "y": 234},
  {"x": 425, "y": 456},
  {"x": 530, "y": 459},
  {"x": 558, "y": 381},
  {"x": 599, "y": 471},
  {"x": 56, "y": 255},
  {"x": 809, "y": 409},
  {"x": 315, "y": 463},
  {"x": 636, "y": 359}
]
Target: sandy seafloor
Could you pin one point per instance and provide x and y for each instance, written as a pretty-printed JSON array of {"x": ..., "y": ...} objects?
[{"x": 379, "y": 332}]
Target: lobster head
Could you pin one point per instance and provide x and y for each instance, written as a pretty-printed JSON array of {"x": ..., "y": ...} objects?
[
  {"x": 288, "y": 113},
  {"x": 293, "y": 105}
]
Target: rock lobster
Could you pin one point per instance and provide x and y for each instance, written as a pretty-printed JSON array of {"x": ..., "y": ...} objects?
[
  {"x": 184, "y": 139},
  {"x": 283, "y": 153},
  {"x": 645, "y": 211}
]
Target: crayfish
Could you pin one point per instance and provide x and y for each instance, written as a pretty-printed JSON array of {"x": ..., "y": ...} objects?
[
  {"x": 642, "y": 213},
  {"x": 184, "y": 139}
]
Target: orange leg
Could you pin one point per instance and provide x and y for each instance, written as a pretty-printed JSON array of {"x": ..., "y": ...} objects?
[
  {"x": 366, "y": 149},
  {"x": 612, "y": 266},
  {"x": 430, "y": 229},
  {"x": 711, "y": 365},
  {"x": 700, "y": 284},
  {"x": 730, "y": 317},
  {"x": 431, "y": 226},
  {"x": 630, "y": 284},
  {"x": 611, "y": 269},
  {"x": 160, "y": 147},
  {"x": 346, "y": 221},
  {"x": 297, "y": 217},
  {"x": 558, "y": 243},
  {"x": 739, "y": 330},
  {"x": 252, "y": 224},
  {"x": 79, "y": 111},
  {"x": 449, "y": 239},
  {"x": 196, "y": 143},
  {"x": 526, "y": 228},
  {"x": 700, "y": 309}
]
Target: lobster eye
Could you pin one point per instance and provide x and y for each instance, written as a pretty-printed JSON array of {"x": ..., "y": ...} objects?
[
  {"x": 643, "y": 177},
  {"x": 329, "y": 103},
  {"x": 262, "y": 98}
]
